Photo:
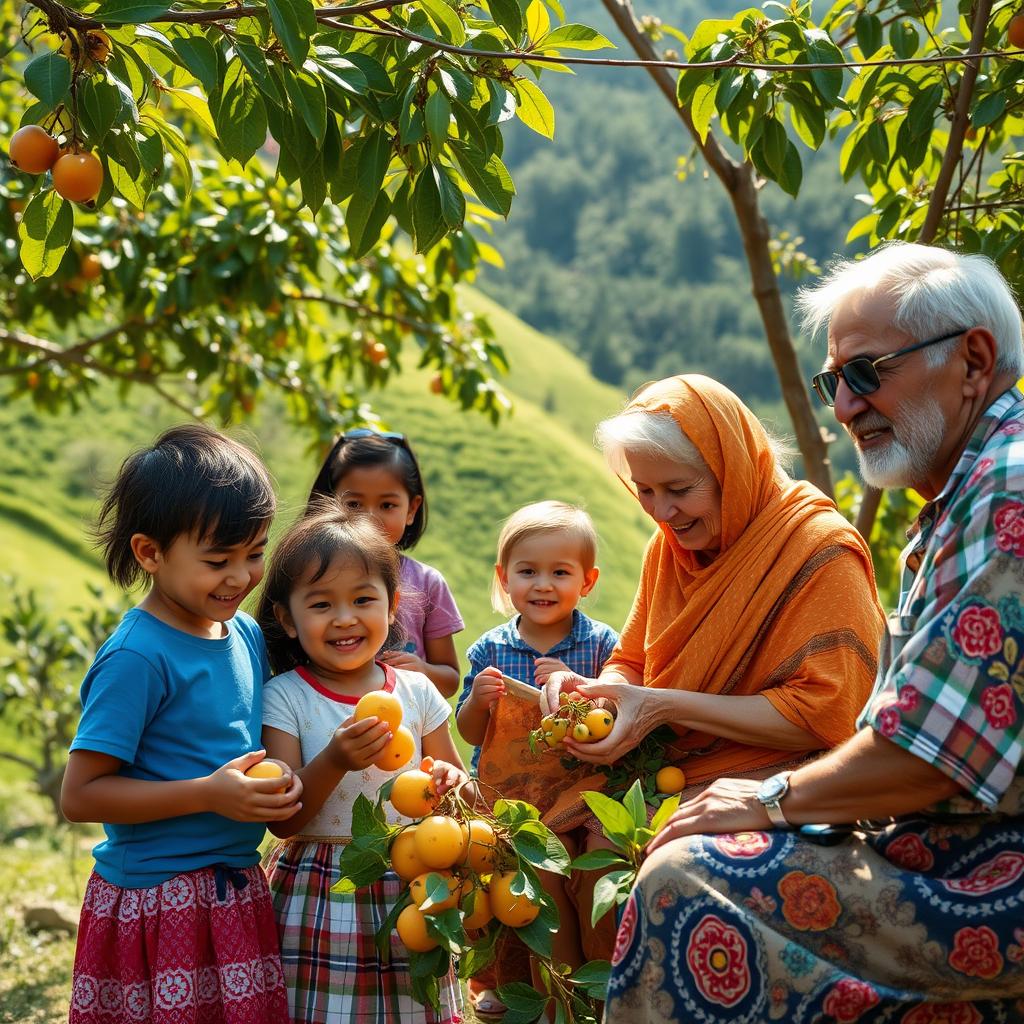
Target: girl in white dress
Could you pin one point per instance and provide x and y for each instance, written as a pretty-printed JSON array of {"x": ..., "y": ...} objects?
[{"x": 327, "y": 610}]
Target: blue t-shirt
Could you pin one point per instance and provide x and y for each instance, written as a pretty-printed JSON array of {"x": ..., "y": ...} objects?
[
  {"x": 587, "y": 647},
  {"x": 174, "y": 706}
]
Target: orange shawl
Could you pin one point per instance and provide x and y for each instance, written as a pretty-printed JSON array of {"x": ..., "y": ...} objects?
[{"x": 787, "y": 608}]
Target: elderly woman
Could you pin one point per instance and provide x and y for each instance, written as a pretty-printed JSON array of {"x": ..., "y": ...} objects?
[
  {"x": 915, "y": 914},
  {"x": 755, "y": 627}
]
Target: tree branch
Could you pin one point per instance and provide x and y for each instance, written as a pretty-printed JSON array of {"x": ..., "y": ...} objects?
[
  {"x": 63, "y": 17},
  {"x": 369, "y": 311},
  {"x": 23, "y": 761},
  {"x": 957, "y": 131}
]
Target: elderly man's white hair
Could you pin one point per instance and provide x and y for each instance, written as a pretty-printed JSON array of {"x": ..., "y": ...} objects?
[{"x": 935, "y": 291}]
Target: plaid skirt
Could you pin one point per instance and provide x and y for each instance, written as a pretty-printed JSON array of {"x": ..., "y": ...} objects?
[
  {"x": 332, "y": 969},
  {"x": 200, "y": 948}
]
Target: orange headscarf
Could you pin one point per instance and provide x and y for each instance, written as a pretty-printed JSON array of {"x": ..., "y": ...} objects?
[{"x": 753, "y": 619}]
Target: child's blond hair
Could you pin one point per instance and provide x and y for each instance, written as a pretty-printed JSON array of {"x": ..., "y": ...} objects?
[{"x": 531, "y": 520}]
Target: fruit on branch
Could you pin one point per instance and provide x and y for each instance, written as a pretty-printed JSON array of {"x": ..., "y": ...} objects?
[
  {"x": 403, "y": 855},
  {"x": 90, "y": 268},
  {"x": 414, "y": 794},
  {"x": 439, "y": 841},
  {"x": 78, "y": 177},
  {"x": 93, "y": 46},
  {"x": 670, "y": 780},
  {"x": 376, "y": 352},
  {"x": 1015, "y": 31},
  {"x": 412, "y": 930},
  {"x": 33, "y": 150},
  {"x": 515, "y": 911}
]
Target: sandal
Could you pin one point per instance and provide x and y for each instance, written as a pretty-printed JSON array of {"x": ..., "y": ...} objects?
[{"x": 486, "y": 1003}]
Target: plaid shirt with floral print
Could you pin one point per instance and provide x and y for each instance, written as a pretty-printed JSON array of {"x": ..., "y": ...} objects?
[{"x": 950, "y": 686}]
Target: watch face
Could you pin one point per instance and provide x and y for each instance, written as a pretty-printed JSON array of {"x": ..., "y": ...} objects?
[{"x": 773, "y": 788}]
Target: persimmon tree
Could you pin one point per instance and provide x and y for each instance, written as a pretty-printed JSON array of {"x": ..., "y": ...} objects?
[{"x": 287, "y": 195}]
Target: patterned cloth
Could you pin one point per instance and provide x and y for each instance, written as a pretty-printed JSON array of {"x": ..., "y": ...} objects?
[
  {"x": 331, "y": 965},
  {"x": 585, "y": 649},
  {"x": 920, "y": 924},
  {"x": 200, "y": 948},
  {"x": 924, "y": 921},
  {"x": 952, "y": 681}
]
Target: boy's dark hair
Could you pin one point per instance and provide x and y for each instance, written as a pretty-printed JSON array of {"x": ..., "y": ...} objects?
[
  {"x": 325, "y": 534},
  {"x": 360, "y": 448},
  {"x": 192, "y": 480}
]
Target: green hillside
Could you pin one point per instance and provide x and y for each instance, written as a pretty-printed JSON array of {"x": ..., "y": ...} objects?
[{"x": 476, "y": 474}]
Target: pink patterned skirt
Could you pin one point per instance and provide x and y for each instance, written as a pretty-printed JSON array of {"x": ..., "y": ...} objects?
[{"x": 200, "y": 948}]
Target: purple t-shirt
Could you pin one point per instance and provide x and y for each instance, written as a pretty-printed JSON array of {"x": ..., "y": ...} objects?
[{"x": 426, "y": 608}]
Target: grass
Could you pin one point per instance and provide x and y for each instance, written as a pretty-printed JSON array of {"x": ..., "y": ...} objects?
[{"x": 476, "y": 475}]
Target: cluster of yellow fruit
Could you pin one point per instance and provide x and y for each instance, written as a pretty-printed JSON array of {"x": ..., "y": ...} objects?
[
  {"x": 388, "y": 708},
  {"x": 577, "y": 718},
  {"x": 76, "y": 175},
  {"x": 448, "y": 863}
]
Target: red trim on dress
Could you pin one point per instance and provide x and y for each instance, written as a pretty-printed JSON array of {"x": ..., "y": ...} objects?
[{"x": 304, "y": 674}]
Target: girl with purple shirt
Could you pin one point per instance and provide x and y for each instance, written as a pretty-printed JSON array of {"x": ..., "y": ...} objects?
[{"x": 377, "y": 472}]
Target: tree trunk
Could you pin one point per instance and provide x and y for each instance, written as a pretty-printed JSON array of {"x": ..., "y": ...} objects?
[{"x": 740, "y": 182}]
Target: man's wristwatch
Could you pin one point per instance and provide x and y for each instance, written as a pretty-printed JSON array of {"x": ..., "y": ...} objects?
[{"x": 770, "y": 797}]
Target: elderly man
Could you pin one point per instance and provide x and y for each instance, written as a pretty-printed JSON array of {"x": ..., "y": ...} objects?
[{"x": 910, "y": 907}]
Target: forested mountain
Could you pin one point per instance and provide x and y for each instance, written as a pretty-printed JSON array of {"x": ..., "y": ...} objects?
[{"x": 641, "y": 272}]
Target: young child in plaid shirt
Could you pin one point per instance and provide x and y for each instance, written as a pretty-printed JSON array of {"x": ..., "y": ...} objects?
[
  {"x": 327, "y": 610},
  {"x": 546, "y": 556}
]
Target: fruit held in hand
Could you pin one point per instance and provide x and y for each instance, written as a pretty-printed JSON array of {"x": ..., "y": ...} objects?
[
  {"x": 266, "y": 770},
  {"x": 33, "y": 150},
  {"x": 380, "y": 704},
  {"x": 414, "y": 794},
  {"x": 398, "y": 751},
  {"x": 78, "y": 177},
  {"x": 599, "y": 722}
]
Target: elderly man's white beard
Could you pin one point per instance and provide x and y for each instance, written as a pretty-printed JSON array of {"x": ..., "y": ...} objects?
[{"x": 911, "y": 451}]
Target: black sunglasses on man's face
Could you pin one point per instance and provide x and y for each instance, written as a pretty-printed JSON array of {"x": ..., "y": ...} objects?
[{"x": 860, "y": 374}]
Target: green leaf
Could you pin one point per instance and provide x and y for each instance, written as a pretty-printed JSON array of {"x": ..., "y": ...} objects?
[
  {"x": 537, "y": 934},
  {"x": 427, "y": 220},
  {"x": 199, "y": 56},
  {"x": 869, "y": 33},
  {"x": 48, "y": 77},
  {"x": 792, "y": 171},
  {"x": 923, "y": 109},
  {"x": 534, "y": 109},
  {"x": 99, "y": 105},
  {"x": 175, "y": 142},
  {"x": 294, "y": 22},
  {"x": 45, "y": 231},
  {"x": 240, "y": 115},
  {"x": 594, "y": 860},
  {"x": 129, "y": 12},
  {"x": 453, "y": 202},
  {"x": 593, "y": 977},
  {"x": 193, "y": 103},
  {"x": 574, "y": 37},
  {"x": 368, "y": 819},
  {"x": 370, "y": 225},
  {"x": 702, "y": 108},
  {"x": 445, "y": 20},
  {"x": 255, "y": 61},
  {"x": 903, "y": 39},
  {"x": 664, "y": 812},
  {"x": 515, "y": 812},
  {"x": 509, "y": 16},
  {"x": 774, "y": 145},
  {"x": 132, "y": 182},
  {"x": 437, "y": 114},
  {"x": 544, "y": 851},
  {"x": 607, "y": 892},
  {"x": 307, "y": 96},
  {"x": 989, "y": 109},
  {"x": 489, "y": 179},
  {"x": 359, "y": 868},
  {"x": 616, "y": 821},
  {"x": 821, "y": 50},
  {"x": 633, "y": 801}
]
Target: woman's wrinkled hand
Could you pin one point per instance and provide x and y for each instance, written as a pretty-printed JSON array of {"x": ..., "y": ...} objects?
[
  {"x": 632, "y": 721},
  {"x": 728, "y": 805},
  {"x": 559, "y": 682}
]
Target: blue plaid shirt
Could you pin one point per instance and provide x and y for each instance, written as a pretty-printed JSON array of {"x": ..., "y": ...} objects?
[{"x": 585, "y": 649}]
